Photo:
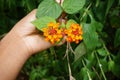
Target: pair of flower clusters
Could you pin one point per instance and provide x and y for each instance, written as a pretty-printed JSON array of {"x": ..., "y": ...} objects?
[{"x": 54, "y": 33}]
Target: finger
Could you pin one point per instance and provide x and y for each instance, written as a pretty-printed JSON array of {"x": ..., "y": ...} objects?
[
  {"x": 59, "y": 1},
  {"x": 61, "y": 42},
  {"x": 26, "y": 21},
  {"x": 36, "y": 43},
  {"x": 24, "y": 26}
]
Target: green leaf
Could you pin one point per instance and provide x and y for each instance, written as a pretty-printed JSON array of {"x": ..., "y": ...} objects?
[
  {"x": 73, "y": 6},
  {"x": 109, "y": 5},
  {"x": 104, "y": 64},
  {"x": 117, "y": 38},
  {"x": 83, "y": 74},
  {"x": 49, "y": 8},
  {"x": 69, "y": 23},
  {"x": 116, "y": 70},
  {"x": 90, "y": 60},
  {"x": 42, "y": 22},
  {"x": 30, "y": 4},
  {"x": 97, "y": 24},
  {"x": 90, "y": 37},
  {"x": 102, "y": 52},
  {"x": 100, "y": 11},
  {"x": 62, "y": 25},
  {"x": 80, "y": 51},
  {"x": 115, "y": 20},
  {"x": 51, "y": 78},
  {"x": 111, "y": 65},
  {"x": 97, "y": 3},
  {"x": 116, "y": 67}
]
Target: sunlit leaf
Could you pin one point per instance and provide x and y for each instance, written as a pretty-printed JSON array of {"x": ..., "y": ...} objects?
[
  {"x": 49, "y": 8},
  {"x": 42, "y": 22},
  {"x": 69, "y": 22},
  {"x": 73, "y": 6}
]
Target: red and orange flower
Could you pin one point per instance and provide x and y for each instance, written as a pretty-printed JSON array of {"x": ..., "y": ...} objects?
[
  {"x": 54, "y": 34},
  {"x": 74, "y": 33}
]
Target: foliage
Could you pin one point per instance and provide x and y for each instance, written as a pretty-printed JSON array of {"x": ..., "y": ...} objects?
[{"x": 95, "y": 58}]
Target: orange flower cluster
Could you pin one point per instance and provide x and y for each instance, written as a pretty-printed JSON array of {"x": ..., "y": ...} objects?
[
  {"x": 74, "y": 33},
  {"x": 54, "y": 34}
]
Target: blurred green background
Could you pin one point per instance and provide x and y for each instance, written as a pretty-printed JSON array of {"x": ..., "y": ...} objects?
[{"x": 49, "y": 64}]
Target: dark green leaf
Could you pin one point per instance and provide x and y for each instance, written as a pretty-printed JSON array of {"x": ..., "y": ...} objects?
[
  {"x": 90, "y": 60},
  {"x": 90, "y": 36},
  {"x": 42, "y": 22},
  {"x": 104, "y": 64},
  {"x": 117, "y": 38},
  {"x": 73, "y": 6},
  {"x": 111, "y": 65},
  {"x": 97, "y": 3},
  {"x": 100, "y": 11},
  {"x": 98, "y": 26},
  {"x": 102, "y": 52},
  {"x": 69, "y": 23},
  {"x": 83, "y": 74},
  {"x": 50, "y": 78},
  {"x": 116, "y": 70},
  {"x": 115, "y": 20},
  {"x": 30, "y": 4},
  {"x": 109, "y": 5},
  {"x": 80, "y": 51}
]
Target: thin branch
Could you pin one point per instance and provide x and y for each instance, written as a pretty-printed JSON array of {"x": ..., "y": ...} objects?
[
  {"x": 96, "y": 73},
  {"x": 100, "y": 65},
  {"x": 87, "y": 70},
  {"x": 71, "y": 49},
  {"x": 108, "y": 53},
  {"x": 70, "y": 73},
  {"x": 85, "y": 11}
]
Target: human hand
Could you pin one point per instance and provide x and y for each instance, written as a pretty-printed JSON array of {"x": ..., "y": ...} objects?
[
  {"x": 29, "y": 35},
  {"x": 18, "y": 45},
  {"x": 25, "y": 34}
]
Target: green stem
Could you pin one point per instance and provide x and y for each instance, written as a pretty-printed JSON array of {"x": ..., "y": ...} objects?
[
  {"x": 85, "y": 11},
  {"x": 100, "y": 65},
  {"x": 107, "y": 52},
  {"x": 96, "y": 73},
  {"x": 87, "y": 70}
]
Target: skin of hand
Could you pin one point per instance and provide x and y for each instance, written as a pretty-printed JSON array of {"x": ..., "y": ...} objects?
[
  {"x": 18, "y": 45},
  {"x": 30, "y": 36}
]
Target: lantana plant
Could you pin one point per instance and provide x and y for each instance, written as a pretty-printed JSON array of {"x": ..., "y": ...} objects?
[{"x": 52, "y": 21}]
